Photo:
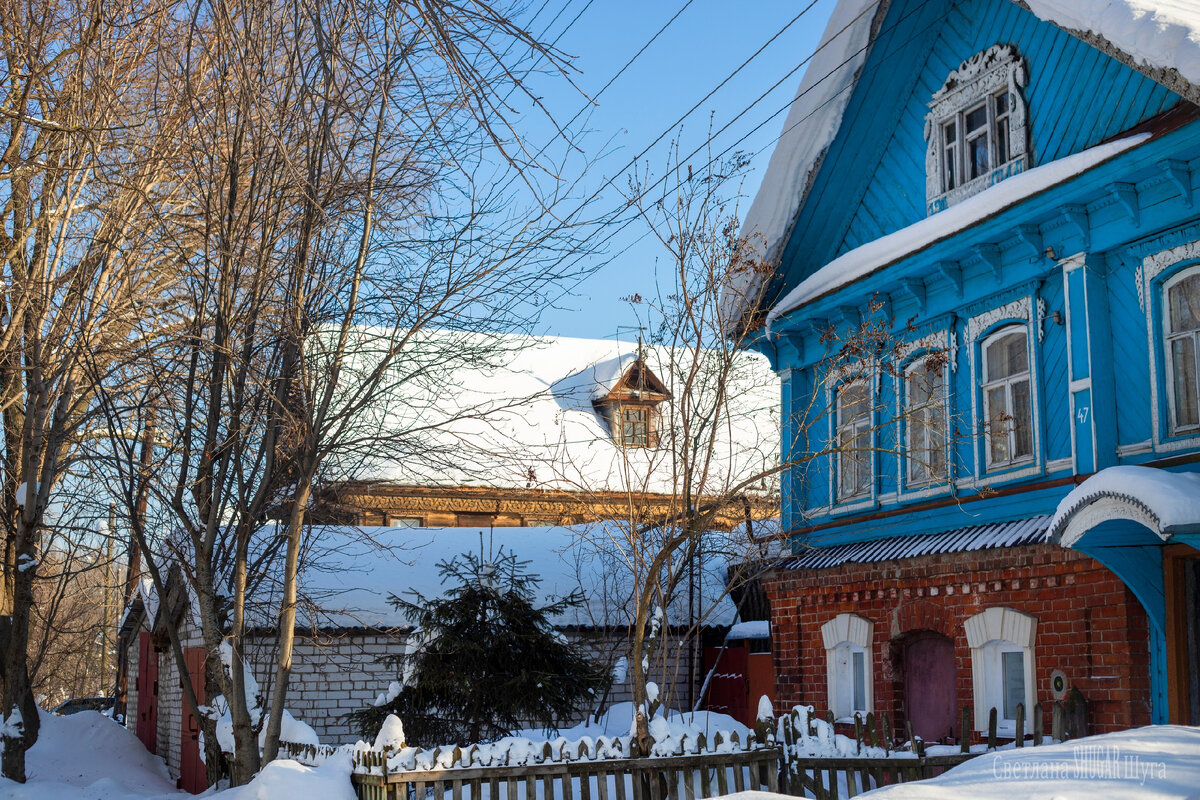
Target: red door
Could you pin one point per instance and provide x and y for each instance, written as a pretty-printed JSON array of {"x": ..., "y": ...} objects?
[
  {"x": 192, "y": 777},
  {"x": 147, "y": 693},
  {"x": 760, "y": 680},
  {"x": 727, "y": 686},
  {"x": 929, "y": 684}
]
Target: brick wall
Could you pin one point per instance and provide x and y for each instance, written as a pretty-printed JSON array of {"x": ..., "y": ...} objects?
[{"x": 1088, "y": 624}]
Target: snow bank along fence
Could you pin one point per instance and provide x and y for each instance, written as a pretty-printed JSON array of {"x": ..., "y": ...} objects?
[
  {"x": 601, "y": 769},
  {"x": 819, "y": 763}
]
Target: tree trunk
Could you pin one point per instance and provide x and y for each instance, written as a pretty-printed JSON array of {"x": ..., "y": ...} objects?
[
  {"x": 287, "y": 619},
  {"x": 16, "y": 691}
]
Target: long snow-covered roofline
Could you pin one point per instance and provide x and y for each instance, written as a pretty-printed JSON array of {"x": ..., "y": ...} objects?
[
  {"x": 1159, "y": 38},
  {"x": 878, "y": 253}
]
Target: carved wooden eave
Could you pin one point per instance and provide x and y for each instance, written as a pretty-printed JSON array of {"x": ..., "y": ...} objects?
[{"x": 638, "y": 384}]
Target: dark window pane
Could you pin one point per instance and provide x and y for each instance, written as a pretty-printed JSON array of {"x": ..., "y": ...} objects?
[
  {"x": 1013, "y": 667},
  {"x": 1183, "y": 374},
  {"x": 977, "y": 152},
  {"x": 976, "y": 118},
  {"x": 1002, "y": 155},
  {"x": 1185, "y": 304},
  {"x": 1022, "y": 422},
  {"x": 1001, "y": 103},
  {"x": 998, "y": 422}
]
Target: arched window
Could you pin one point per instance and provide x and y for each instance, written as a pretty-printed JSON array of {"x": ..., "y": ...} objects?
[
  {"x": 1001, "y": 642},
  {"x": 1007, "y": 397},
  {"x": 848, "y": 651},
  {"x": 925, "y": 421},
  {"x": 1181, "y": 322},
  {"x": 854, "y": 440}
]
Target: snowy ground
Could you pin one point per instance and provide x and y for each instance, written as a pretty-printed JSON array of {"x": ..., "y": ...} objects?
[
  {"x": 1152, "y": 763},
  {"x": 87, "y": 756}
]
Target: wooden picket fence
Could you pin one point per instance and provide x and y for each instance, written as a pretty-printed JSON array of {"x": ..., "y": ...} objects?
[{"x": 705, "y": 771}]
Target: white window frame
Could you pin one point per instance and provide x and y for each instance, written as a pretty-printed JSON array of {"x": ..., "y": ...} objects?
[
  {"x": 990, "y": 634},
  {"x": 981, "y": 79},
  {"x": 1007, "y": 383},
  {"x": 1150, "y": 280},
  {"x": 1173, "y": 426},
  {"x": 861, "y": 429},
  {"x": 929, "y": 411},
  {"x": 843, "y": 636}
]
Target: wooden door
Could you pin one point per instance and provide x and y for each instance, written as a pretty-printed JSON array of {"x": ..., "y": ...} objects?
[
  {"x": 760, "y": 680},
  {"x": 727, "y": 686},
  {"x": 929, "y": 685},
  {"x": 147, "y": 693},
  {"x": 192, "y": 777}
]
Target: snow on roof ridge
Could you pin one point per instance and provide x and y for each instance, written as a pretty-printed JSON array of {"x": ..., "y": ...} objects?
[
  {"x": 812, "y": 123},
  {"x": 893, "y": 247},
  {"x": 1162, "y": 34}
]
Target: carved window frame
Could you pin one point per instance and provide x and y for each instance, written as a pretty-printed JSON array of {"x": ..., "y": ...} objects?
[
  {"x": 980, "y": 328},
  {"x": 1156, "y": 273},
  {"x": 998, "y": 70},
  {"x": 911, "y": 356}
]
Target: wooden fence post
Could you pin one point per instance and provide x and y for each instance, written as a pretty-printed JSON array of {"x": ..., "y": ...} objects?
[
  {"x": 1057, "y": 723},
  {"x": 1038, "y": 724},
  {"x": 964, "y": 733},
  {"x": 991, "y": 744},
  {"x": 1019, "y": 728}
]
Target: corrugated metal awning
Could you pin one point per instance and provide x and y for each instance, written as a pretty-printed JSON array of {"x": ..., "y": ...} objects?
[{"x": 1014, "y": 533}]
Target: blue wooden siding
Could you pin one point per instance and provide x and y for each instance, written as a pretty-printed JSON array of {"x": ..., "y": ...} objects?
[{"x": 873, "y": 179}]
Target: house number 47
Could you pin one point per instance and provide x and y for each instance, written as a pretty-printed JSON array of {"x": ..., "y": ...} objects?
[{"x": 1081, "y": 414}]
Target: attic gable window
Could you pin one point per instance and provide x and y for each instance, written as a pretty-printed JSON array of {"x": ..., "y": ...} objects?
[
  {"x": 630, "y": 407},
  {"x": 976, "y": 130}
]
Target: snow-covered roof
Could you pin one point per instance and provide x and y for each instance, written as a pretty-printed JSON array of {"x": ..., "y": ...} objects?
[
  {"x": 1165, "y": 502},
  {"x": 1162, "y": 35},
  {"x": 348, "y": 573},
  {"x": 811, "y": 125},
  {"x": 878, "y": 253},
  {"x": 1015, "y": 533},
  {"x": 1154, "y": 34},
  {"x": 528, "y": 420}
]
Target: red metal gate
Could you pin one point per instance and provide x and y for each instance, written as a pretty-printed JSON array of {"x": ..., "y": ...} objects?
[{"x": 192, "y": 777}]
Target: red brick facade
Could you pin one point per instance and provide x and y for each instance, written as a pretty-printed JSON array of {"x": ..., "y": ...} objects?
[{"x": 1089, "y": 625}]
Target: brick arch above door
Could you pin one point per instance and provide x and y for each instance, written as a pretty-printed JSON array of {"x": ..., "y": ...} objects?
[{"x": 922, "y": 615}]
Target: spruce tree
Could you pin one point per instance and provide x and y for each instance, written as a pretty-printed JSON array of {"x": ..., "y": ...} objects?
[{"x": 486, "y": 659}]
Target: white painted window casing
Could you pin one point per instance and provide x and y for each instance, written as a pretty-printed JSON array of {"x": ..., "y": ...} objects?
[
  {"x": 976, "y": 130},
  {"x": 1002, "y": 666},
  {"x": 849, "y": 660},
  {"x": 1181, "y": 346},
  {"x": 853, "y": 433},
  {"x": 925, "y": 422},
  {"x": 1007, "y": 398}
]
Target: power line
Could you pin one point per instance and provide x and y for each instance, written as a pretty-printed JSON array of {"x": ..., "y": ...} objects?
[{"x": 774, "y": 114}]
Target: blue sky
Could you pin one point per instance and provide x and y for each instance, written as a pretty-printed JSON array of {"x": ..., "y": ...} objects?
[{"x": 706, "y": 43}]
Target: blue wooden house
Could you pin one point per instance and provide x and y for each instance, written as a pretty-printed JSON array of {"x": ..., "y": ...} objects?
[{"x": 986, "y": 318}]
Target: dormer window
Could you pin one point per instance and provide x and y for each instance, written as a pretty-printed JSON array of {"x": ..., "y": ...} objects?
[
  {"x": 976, "y": 129},
  {"x": 630, "y": 404}
]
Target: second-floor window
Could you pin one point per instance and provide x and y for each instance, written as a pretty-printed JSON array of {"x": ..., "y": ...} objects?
[
  {"x": 1183, "y": 350},
  {"x": 976, "y": 130},
  {"x": 1007, "y": 398},
  {"x": 925, "y": 417},
  {"x": 853, "y": 440}
]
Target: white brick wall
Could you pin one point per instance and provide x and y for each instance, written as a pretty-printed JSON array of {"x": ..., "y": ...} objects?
[{"x": 333, "y": 675}]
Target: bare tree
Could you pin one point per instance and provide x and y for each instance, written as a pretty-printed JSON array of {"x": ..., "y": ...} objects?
[
  {"x": 88, "y": 133},
  {"x": 346, "y": 166},
  {"x": 707, "y": 453}
]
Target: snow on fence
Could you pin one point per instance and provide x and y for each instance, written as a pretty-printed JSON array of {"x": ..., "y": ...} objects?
[
  {"x": 601, "y": 769},
  {"x": 822, "y": 764}
]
